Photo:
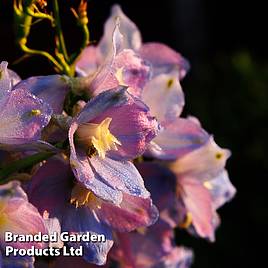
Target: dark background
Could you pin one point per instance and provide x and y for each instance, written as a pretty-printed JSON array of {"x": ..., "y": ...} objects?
[{"x": 227, "y": 89}]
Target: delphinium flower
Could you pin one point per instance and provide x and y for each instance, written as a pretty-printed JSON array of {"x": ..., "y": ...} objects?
[
  {"x": 107, "y": 192},
  {"x": 198, "y": 185},
  {"x": 125, "y": 107},
  {"x": 80, "y": 210},
  {"x": 203, "y": 186},
  {"x": 202, "y": 182},
  {"x": 161, "y": 90},
  {"x": 154, "y": 57},
  {"x": 162, "y": 93},
  {"x": 111, "y": 129},
  {"x": 162, "y": 58},
  {"x": 117, "y": 66}
]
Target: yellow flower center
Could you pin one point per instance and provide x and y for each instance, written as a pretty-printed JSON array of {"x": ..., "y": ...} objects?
[
  {"x": 98, "y": 136},
  {"x": 81, "y": 196}
]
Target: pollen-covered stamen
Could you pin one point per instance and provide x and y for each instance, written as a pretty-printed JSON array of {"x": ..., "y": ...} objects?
[
  {"x": 30, "y": 114},
  {"x": 170, "y": 83},
  {"x": 187, "y": 221},
  {"x": 81, "y": 196},
  {"x": 99, "y": 136},
  {"x": 218, "y": 155},
  {"x": 35, "y": 112}
]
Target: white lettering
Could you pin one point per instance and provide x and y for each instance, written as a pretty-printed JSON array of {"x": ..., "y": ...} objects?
[
  {"x": 8, "y": 236},
  {"x": 8, "y": 250}
]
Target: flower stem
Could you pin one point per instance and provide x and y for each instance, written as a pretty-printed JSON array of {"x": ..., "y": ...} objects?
[
  {"x": 38, "y": 15},
  {"x": 62, "y": 47},
  {"x": 30, "y": 51}
]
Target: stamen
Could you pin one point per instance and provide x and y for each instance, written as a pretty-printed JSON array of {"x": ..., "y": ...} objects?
[
  {"x": 187, "y": 222},
  {"x": 218, "y": 155},
  {"x": 81, "y": 196},
  {"x": 35, "y": 112},
  {"x": 97, "y": 137},
  {"x": 170, "y": 83}
]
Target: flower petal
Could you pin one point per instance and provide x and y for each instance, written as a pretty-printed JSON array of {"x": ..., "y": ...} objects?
[
  {"x": 8, "y": 78},
  {"x": 125, "y": 68},
  {"x": 162, "y": 183},
  {"x": 133, "y": 126},
  {"x": 46, "y": 184},
  {"x": 221, "y": 189},
  {"x": 14, "y": 77},
  {"x": 22, "y": 117},
  {"x": 198, "y": 203},
  {"x": 18, "y": 215},
  {"x": 16, "y": 262},
  {"x": 87, "y": 62},
  {"x": 131, "y": 122},
  {"x": 121, "y": 175},
  {"x": 67, "y": 262},
  {"x": 52, "y": 89},
  {"x": 92, "y": 180},
  {"x": 104, "y": 78},
  {"x": 164, "y": 96},
  {"x": 132, "y": 36},
  {"x": 179, "y": 257},
  {"x": 164, "y": 59},
  {"x": 120, "y": 67},
  {"x": 204, "y": 163},
  {"x": 154, "y": 248},
  {"x": 178, "y": 138},
  {"x": 132, "y": 213},
  {"x": 51, "y": 191},
  {"x": 132, "y": 71},
  {"x": 82, "y": 220}
]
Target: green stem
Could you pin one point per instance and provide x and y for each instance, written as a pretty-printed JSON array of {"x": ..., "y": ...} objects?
[
  {"x": 62, "y": 47},
  {"x": 24, "y": 48},
  {"x": 23, "y": 21},
  {"x": 38, "y": 15},
  {"x": 23, "y": 164}
]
